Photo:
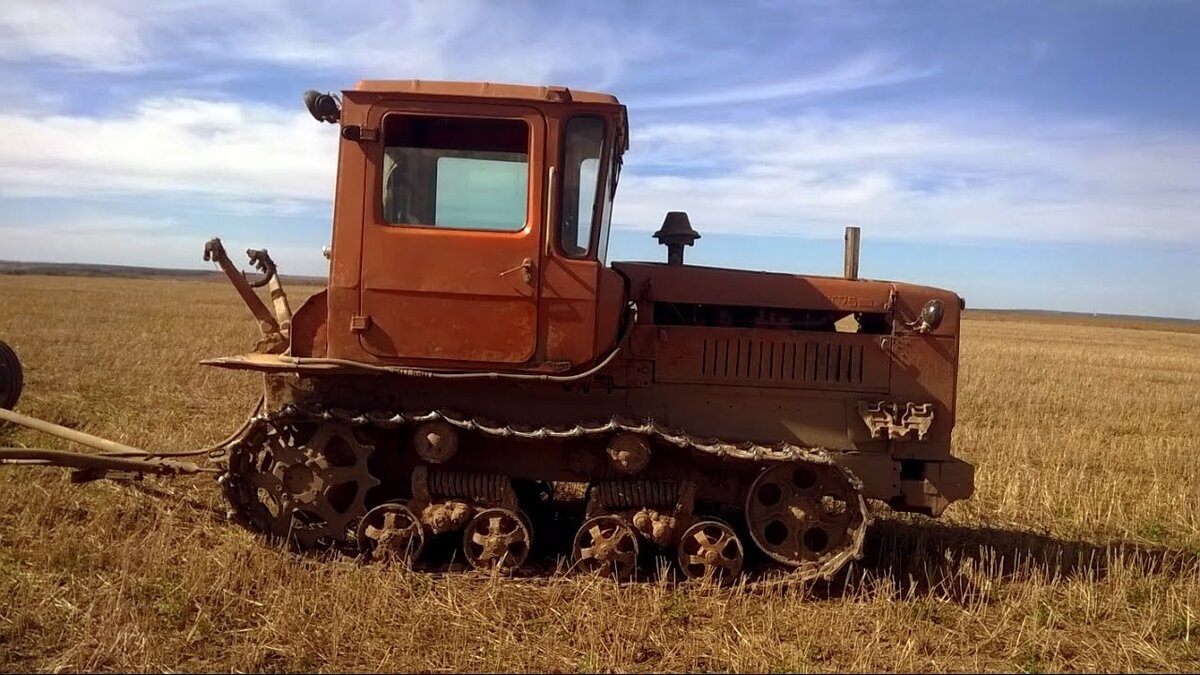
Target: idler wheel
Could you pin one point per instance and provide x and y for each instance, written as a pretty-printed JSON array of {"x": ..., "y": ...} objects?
[
  {"x": 497, "y": 538},
  {"x": 12, "y": 379},
  {"x": 391, "y": 531},
  {"x": 710, "y": 549},
  {"x": 806, "y": 515},
  {"x": 606, "y": 545}
]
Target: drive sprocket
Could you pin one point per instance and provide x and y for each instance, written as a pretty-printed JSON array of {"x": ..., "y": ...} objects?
[{"x": 303, "y": 482}]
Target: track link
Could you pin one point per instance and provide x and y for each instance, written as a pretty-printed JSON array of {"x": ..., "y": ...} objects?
[{"x": 261, "y": 427}]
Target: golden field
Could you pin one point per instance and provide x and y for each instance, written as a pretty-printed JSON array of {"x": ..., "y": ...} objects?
[{"x": 1080, "y": 550}]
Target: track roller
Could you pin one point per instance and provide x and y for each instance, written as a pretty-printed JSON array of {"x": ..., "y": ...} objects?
[
  {"x": 710, "y": 549},
  {"x": 390, "y": 532},
  {"x": 607, "y": 545},
  {"x": 497, "y": 538}
]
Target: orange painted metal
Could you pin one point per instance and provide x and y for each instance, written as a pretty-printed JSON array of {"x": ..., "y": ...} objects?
[
  {"x": 425, "y": 294},
  {"x": 451, "y": 294},
  {"x": 463, "y": 370},
  {"x": 475, "y": 91},
  {"x": 831, "y": 362}
]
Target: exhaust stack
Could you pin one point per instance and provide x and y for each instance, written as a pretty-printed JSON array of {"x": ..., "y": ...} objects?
[
  {"x": 675, "y": 233},
  {"x": 851, "y": 271}
]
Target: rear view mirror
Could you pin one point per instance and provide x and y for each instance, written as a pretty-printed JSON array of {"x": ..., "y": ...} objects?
[{"x": 323, "y": 107}]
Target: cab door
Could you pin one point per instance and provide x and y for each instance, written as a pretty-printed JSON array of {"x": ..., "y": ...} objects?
[{"x": 450, "y": 250}]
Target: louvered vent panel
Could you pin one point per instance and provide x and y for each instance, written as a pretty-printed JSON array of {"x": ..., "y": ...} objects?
[{"x": 782, "y": 361}]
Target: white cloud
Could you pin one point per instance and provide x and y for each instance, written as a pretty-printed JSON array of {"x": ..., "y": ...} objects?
[
  {"x": 73, "y": 31},
  {"x": 919, "y": 173},
  {"x": 251, "y": 154},
  {"x": 934, "y": 175}
]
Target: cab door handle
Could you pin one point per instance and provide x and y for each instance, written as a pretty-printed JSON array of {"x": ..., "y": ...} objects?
[{"x": 526, "y": 266}]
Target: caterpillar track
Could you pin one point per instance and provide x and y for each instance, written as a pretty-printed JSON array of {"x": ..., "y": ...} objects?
[{"x": 335, "y": 479}]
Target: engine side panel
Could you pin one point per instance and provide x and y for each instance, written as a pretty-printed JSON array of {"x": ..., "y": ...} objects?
[{"x": 873, "y": 391}]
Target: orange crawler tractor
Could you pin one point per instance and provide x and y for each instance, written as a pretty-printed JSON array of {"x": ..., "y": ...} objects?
[{"x": 475, "y": 367}]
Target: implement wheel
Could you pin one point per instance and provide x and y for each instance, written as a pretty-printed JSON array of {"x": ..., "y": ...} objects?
[{"x": 11, "y": 377}]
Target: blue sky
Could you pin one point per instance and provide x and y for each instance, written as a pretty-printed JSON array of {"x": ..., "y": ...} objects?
[{"x": 1025, "y": 154}]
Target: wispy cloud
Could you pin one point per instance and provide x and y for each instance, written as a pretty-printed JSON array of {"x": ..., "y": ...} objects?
[
  {"x": 460, "y": 39},
  {"x": 904, "y": 176},
  {"x": 935, "y": 174},
  {"x": 225, "y": 150},
  {"x": 130, "y": 126},
  {"x": 864, "y": 71},
  {"x": 78, "y": 33},
  {"x": 457, "y": 39}
]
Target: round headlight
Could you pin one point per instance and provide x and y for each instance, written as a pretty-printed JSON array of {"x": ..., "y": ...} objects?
[{"x": 931, "y": 314}]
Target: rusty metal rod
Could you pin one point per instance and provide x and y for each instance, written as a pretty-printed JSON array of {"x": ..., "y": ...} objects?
[
  {"x": 851, "y": 262},
  {"x": 82, "y": 460},
  {"x": 215, "y": 251},
  {"x": 69, "y": 434}
]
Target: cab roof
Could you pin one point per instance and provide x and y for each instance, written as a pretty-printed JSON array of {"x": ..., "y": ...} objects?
[{"x": 485, "y": 89}]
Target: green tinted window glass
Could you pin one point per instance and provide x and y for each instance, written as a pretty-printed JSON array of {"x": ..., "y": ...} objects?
[
  {"x": 481, "y": 194},
  {"x": 455, "y": 172}
]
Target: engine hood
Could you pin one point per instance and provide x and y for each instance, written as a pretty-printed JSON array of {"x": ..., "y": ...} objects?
[{"x": 693, "y": 284}]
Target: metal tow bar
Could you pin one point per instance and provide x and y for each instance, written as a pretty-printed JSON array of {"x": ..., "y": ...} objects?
[
  {"x": 116, "y": 460},
  {"x": 275, "y": 329}
]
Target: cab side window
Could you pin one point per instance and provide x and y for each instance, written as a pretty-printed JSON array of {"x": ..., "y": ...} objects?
[{"x": 455, "y": 172}]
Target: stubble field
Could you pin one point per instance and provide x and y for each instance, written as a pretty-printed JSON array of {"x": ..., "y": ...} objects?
[{"x": 1079, "y": 551}]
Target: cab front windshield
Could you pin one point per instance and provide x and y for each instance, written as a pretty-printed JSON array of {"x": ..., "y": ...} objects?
[{"x": 588, "y": 182}]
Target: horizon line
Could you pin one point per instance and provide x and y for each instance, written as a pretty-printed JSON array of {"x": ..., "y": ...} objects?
[{"x": 8, "y": 268}]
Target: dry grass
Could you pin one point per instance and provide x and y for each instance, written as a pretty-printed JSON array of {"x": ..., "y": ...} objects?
[{"x": 1078, "y": 551}]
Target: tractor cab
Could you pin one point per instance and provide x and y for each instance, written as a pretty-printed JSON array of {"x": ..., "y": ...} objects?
[{"x": 471, "y": 222}]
